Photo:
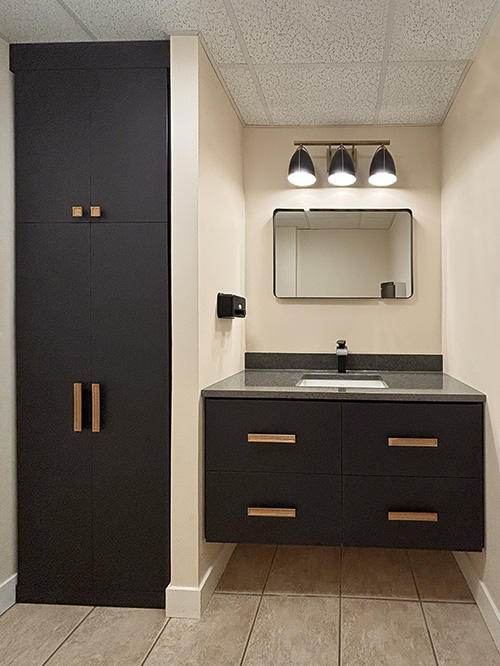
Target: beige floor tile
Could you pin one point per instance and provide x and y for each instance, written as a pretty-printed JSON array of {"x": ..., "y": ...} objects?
[
  {"x": 111, "y": 637},
  {"x": 305, "y": 570},
  {"x": 384, "y": 633},
  {"x": 377, "y": 572},
  {"x": 460, "y": 635},
  {"x": 217, "y": 639},
  {"x": 30, "y": 633},
  {"x": 295, "y": 631},
  {"x": 247, "y": 569},
  {"x": 438, "y": 576}
]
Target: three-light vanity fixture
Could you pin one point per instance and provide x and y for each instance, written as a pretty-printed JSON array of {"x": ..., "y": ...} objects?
[{"x": 342, "y": 163}]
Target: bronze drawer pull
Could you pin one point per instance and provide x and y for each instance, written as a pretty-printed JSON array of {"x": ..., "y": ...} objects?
[
  {"x": 415, "y": 516},
  {"x": 77, "y": 211},
  {"x": 425, "y": 442},
  {"x": 271, "y": 439},
  {"x": 95, "y": 211},
  {"x": 265, "y": 512},
  {"x": 77, "y": 407},
  {"x": 96, "y": 408}
]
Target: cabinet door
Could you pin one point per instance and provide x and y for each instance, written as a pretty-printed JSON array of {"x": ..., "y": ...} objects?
[
  {"x": 129, "y": 144},
  {"x": 130, "y": 361},
  {"x": 54, "y": 465},
  {"x": 52, "y": 116}
]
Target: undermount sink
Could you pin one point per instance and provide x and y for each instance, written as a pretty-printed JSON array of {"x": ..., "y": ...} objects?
[{"x": 338, "y": 381}]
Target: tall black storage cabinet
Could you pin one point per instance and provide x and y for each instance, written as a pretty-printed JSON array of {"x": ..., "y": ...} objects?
[{"x": 93, "y": 322}]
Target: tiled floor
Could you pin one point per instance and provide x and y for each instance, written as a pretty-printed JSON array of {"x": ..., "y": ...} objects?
[{"x": 291, "y": 605}]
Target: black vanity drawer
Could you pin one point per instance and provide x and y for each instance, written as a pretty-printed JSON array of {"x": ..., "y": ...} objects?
[
  {"x": 272, "y": 435},
  {"x": 399, "y": 512},
  {"x": 413, "y": 439},
  {"x": 309, "y": 508}
]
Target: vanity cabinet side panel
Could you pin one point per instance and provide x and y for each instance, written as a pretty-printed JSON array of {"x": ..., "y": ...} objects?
[
  {"x": 233, "y": 427},
  {"x": 433, "y": 439}
]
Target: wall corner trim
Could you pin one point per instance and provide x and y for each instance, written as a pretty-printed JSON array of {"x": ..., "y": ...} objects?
[
  {"x": 8, "y": 593},
  {"x": 190, "y": 602},
  {"x": 485, "y": 603}
]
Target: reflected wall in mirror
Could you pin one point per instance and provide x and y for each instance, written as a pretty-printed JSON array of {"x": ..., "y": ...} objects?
[{"x": 343, "y": 253}]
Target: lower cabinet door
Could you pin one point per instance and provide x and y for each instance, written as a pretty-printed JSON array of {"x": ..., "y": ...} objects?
[
  {"x": 130, "y": 453},
  {"x": 273, "y": 508},
  {"x": 401, "y": 512}
]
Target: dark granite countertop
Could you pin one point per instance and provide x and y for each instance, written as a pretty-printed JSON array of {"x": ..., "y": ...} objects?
[{"x": 402, "y": 386}]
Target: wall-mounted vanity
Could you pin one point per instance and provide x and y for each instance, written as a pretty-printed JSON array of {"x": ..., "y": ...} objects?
[{"x": 399, "y": 466}]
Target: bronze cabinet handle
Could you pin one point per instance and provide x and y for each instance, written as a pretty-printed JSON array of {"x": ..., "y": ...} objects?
[
  {"x": 77, "y": 407},
  {"x": 413, "y": 516},
  {"x": 77, "y": 211},
  {"x": 269, "y": 512},
  {"x": 95, "y": 211},
  {"x": 96, "y": 408},
  {"x": 425, "y": 442},
  {"x": 256, "y": 438}
]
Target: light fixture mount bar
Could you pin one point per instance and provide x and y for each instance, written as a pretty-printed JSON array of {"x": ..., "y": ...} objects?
[{"x": 341, "y": 143}]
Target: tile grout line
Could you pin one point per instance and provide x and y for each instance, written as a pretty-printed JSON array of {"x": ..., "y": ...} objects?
[
  {"x": 422, "y": 609},
  {"x": 160, "y": 634},
  {"x": 68, "y": 636},
  {"x": 258, "y": 609}
]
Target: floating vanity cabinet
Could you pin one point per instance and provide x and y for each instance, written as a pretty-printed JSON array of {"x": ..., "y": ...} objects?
[
  {"x": 93, "y": 322},
  {"x": 358, "y": 473}
]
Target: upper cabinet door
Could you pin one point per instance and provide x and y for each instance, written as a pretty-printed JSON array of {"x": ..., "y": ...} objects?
[
  {"x": 128, "y": 144},
  {"x": 52, "y": 145}
]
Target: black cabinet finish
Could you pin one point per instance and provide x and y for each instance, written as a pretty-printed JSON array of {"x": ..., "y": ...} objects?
[
  {"x": 130, "y": 359},
  {"x": 340, "y": 444},
  {"x": 128, "y": 139},
  {"x": 458, "y": 504},
  {"x": 315, "y": 426},
  {"x": 367, "y": 428},
  {"x": 92, "y": 138},
  {"x": 93, "y": 306},
  {"x": 53, "y": 352},
  {"x": 316, "y": 500},
  {"x": 52, "y": 122}
]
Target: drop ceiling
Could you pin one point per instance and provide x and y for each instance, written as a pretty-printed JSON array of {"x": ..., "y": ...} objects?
[{"x": 294, "y": 62}]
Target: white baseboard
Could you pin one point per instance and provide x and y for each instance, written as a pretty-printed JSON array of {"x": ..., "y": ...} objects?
[
  {"x": 8, "y": 593},
  {"x": 190, "y": 602},
  {"x": 485, "y": 603}
]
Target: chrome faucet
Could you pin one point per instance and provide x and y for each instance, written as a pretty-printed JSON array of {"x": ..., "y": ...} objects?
[{"x": 342, "y": 352}]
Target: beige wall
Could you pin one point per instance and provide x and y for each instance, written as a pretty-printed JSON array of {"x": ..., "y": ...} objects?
[
  {"x": 8, "y": 563},
  {"x": 471, "y": 266},
  {"x": 221, "y": 219},
  {"x": 369, "y": 326},
  {"x": 208, "y": 250}
]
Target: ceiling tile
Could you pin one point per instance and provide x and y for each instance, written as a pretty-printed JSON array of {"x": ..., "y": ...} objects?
[
  {"x": 155, "y": 19},
  {"x": 244, "y": 93},
  {"x": 32, "y": 21},
  {"x": 340, "y": 95},
  {"x": 444, "y": 30},
  {"x": 323, "y": 31},
  {"x": 418, "y": 93}
]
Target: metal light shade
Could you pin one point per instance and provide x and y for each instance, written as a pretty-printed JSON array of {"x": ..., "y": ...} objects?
[
  {"x": 301, "y": 168},
  {"x": 341, "y": 171},
  {"x": 382, "y": 168}
]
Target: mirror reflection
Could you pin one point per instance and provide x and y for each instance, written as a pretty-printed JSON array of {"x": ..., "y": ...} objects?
[{"x": 343, "y": 253}]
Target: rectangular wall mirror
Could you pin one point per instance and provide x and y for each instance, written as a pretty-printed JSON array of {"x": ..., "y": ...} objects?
[{"x": 343, "y": 253}]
